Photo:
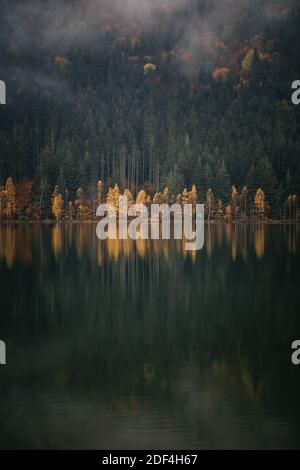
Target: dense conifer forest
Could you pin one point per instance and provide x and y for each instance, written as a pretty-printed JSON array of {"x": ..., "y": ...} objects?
[{"x": 166, "y": 101}]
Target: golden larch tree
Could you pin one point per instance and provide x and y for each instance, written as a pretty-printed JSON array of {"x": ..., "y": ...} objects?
[
  {"x": 234, "y": 199},
  {"x": 260, "y": 203},
  {"x": 99, "y": 192},
  {"x": 57, "y": 203},
  {"x": 141, "y": 197},
  {"x": 10, "y": 193}
]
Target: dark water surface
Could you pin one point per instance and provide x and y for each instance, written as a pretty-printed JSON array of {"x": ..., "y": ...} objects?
[{"x": 141, "y": 345}]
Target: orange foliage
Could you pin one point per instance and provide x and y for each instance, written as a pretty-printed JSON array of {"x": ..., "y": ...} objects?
[
  {"x": 23, "y": 195},
  {"x": 221, "y": 74}
]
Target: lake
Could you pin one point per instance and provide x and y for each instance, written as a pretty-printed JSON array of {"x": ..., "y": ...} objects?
[{"x": 141, "y": 345}]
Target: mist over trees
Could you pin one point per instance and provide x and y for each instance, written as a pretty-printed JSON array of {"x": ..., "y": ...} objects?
[{"x": 149, "y": 98}]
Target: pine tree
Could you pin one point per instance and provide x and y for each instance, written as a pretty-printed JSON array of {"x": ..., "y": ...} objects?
[
  {"x": 81, "y": 204},
  {"x": 222, "y": 185},
  {"x": 244, "y": 198}
]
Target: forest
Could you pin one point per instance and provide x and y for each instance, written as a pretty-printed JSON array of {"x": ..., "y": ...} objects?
[{"x": 184, "y": 101}]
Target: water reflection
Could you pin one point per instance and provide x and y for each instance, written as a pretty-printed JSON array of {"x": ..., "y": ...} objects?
[
  {"x": 123, "y": 344},
  {"x": 17, "y": 242}
]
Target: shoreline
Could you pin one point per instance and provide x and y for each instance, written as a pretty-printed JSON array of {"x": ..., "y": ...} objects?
[{"x": 91, "y": 221}]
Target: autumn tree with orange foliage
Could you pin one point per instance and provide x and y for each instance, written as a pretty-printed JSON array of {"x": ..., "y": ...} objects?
[{"x": 23, "y": 198}]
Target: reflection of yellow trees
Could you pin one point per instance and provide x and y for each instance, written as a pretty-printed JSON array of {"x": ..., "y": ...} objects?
[
  {"x": 291, "y": 238},
  {"x": 127, "y": 245},
  {"x": 141, "y": 247},
  {"x": 241, "y": 377},
  {"x": 56, "y": 239},
  {"x": 69, "y": 234},
  {"x": 82, "y": 238},
  {"x": 165, "y": 248},
  {"x": 259, "y": 240},
  {"x": 15, "y": 243},
  {"x": 193, "y": 255},
  {"x": 99, "y": 255},
  {"x": 23, "y": 245},
  {"x": 113, "y": 248},
  {"x": 219, "y": 235},
  {"x": 10, "y": 245},
  {"x": 233, "y": 243},
  {"x": 228, "y": 233},
  {"x": 209, "y": 243},
  {"x": 244, "y": 242}
]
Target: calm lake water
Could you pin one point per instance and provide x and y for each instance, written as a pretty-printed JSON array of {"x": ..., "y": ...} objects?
[{"x": 140, "y": 345}]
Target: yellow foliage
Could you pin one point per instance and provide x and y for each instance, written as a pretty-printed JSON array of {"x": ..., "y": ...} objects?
[
  {"x": 10, "y": 197},
  {"x": 113, "y": 197},
  {"x": 259, "y": 202},
  {"x": 149, "y": 68},
  {"x": 248, "y": 60},
  {"x": 166, "y": 196},
  {"x": 193, "y": 195},
  {"x": 234, "y": 193},
  {"x": 129, "y": 197},
  {"x": 141, "y": 197},
  {"x": 57, "y": 203},
  {"x": 228, "y": 213}
]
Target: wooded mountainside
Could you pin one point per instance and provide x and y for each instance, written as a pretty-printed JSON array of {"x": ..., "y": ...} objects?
[{"x": 148, "y": 95}]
